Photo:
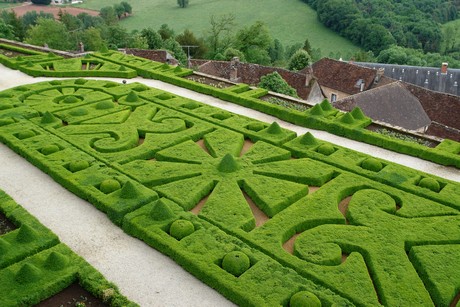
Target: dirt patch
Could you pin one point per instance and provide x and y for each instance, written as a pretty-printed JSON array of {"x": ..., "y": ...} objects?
[
  {"x": 343, "y": 207},
  {"x": 260, "y": 217},
  {"x": 455, "y": 301},
  {"x": 202, "y": 145},
  {"x": 10, "y": 53},
  {"x": 71, "y": 296},
  {"x": 5, "y": 225},
  {"x": 312, "y": 189},
  {"x": 246, "y": 146},
  {"x": 196, "y": 210},
  {"x": 21, "y": 10},
  {"x": 289, "y": 244}
]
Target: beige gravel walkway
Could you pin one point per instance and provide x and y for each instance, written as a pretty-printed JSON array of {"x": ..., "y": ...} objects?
[{"x": 144, "y": 275}]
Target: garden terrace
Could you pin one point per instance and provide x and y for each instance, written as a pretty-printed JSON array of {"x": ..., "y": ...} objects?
[
  {"x": 379, "y": 230},
  {"x": 35, "y": 266}
]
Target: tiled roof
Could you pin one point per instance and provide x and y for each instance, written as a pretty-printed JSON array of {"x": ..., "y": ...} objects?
[{"x": 343, "y": 76}]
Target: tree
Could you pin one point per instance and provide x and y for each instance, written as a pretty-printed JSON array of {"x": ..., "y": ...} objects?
[
  {"x": 187, "y": 38},
  {"x": 43, "y": 2},
  {"x": 174, "y": 47},
  {"x": 6, "y": 31},
  {"x": 276, "y": 52},
  {"x": 307, "y": 46},
  {"x": 50, "y": 32},
  {"x": 127, "y": 8},
  {"x": 182, "y": 3},
  {"x": 230, "y": 53},
  {"x": 89, "y": 21},
  {"x": 119, "y": 10},
  {"x": 92, "y": 39},
  {"x": 115, "y": 36},
  {"x": 71, "y": 22},
  {"x": 254, "y": 41},
  {"x": 299, "y": 60},
  {"x": 275, "y": 83},
  {"x": 154, "y": 40},
  {"x": 109, "y": 15},
  {"x": 219, "y": 38},
  {"x": 10, "y": 18},
  {"x": 166, "y": 32},
  {"x": 138, "y": 41}
]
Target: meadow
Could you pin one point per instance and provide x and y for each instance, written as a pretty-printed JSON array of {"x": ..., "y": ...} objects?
[{"x": 290, "y": 21}]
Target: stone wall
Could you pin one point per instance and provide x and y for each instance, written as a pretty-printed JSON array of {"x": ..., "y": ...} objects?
[{"x": 443, "y": 131}]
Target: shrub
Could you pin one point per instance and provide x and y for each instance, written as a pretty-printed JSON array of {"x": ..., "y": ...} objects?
[
  {"x": 25, "y": 134},
  {"x": 49, "y": 149},
  {"x": 304, "y": 299},
  {"x": 236, "y": 263},
  {"x": 275, "y": 83},
  {"x": 372, "y": 164},
  {"x": 76, "y": 166},
  {"x": 430, "y": 183},
  {"x": 109, "y": 185},
  {"x": 70, "y": 99},
  {"x": 103, "y": 105},
  {"x": 326, "y": 149},
  {"x": 181, "y": 228}
]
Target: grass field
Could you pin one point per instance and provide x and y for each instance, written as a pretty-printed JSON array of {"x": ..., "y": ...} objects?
[
  {"x": 291, "y": 21},
  {"x": 5, "y": 5}
]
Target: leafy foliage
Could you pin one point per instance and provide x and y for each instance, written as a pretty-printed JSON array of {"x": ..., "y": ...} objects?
[
  {"x": 299, "y": 60},
  {"x": 275, "y": 83}
]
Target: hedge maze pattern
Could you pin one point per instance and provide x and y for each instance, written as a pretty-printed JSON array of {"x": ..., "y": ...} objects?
[{"x": 249, "y": 208}]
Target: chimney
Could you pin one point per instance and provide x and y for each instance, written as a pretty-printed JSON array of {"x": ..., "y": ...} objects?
[
  {"x": 361, "y": 86},
  {"x": 379, "y": 74},
  {"x": 444, "y": 68}
]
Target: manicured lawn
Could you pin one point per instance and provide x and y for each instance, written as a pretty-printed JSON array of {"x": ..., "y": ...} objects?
[{"x": 291, "y": 21}]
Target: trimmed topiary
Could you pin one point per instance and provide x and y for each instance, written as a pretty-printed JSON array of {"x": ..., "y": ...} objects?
[
  {"x": 316, "y": 110},
  {"x": 236, "y": 263},
  {"x": 228, "y": 164},
  {"x": 56, "y": 261},
  {"x": 165, "y": 96},
  {"x": 430, "y": 183},
  {"x": 5, "y": 106},
  {"x": 308, "y": 139},
  {"x": 304, "y": 299},
  {"x": 326, "y": 106},
  {"x": 79, "y": 112},
  {"x": 4, "y": 246},
  {"x": 191, "y": 105},
  {"x": 129, "y": 190},
  {"x": 140, "y": 88},
  {"x": 80, "y": 81},
  {"x": 103, "y": 105},
  {"x": 358, "y": 113},
  {"x": 122, "y": 68},
  {"x": 161, "y": 211},
  {"x": 132, "y": 97},
  {"x": 70, "y": 99},
  {"x": 26, "y": 234},
  {"x": 274, "y": 128},
  {"x": 326, "y": 149},
  {"x": 109, "y": 185},
  {"x": 25, "y": 134},
  {"x": 76, "y": 166},
  {"x": 347, "y": 118},
  {"x": 48, "y": 118},
  {"x": 28, "y": 273},
  {"x": 49, "y": 149},
  {"x": 372, "y": 164},
  {"x": 181, "y": 228}
]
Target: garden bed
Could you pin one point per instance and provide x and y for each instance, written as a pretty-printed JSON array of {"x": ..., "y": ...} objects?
[
  {"x": 73, "y": 296},
  {"x": 5, "y": 225},
  {"x": 209, "y": 81},
  {"x": 290, "y": 104},
  {"x": 402, "y": 135}
]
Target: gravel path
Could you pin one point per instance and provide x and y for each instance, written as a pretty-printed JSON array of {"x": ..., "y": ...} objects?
[{"x": 143, "y": 274}]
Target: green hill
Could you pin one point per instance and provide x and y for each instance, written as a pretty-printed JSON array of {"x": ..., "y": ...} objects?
[{"x": 290, "y": 21}]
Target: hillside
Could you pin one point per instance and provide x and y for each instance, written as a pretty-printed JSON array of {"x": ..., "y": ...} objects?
[{"x": 290, "y": 21}]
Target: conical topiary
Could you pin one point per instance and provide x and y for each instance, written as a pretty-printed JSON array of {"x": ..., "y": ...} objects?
[
  {"x": 228, "y": 164},
  {"x": 4, "y": 245},
  {"x": 26, "y": 234},
  {"x": 358, "y": 113},
  {"x": 132, "y": 97},
  {"x": 129, "y": 190},
  {"x": 326, "y": 106},
  {"x": 347, "y": 118},
  {"x": 161, "y": 211},
  {"x": 48, "y": 118},
  {"x": 274, "y": 128},
  {"x": 71, "y": 99},
  {"x": 308, "y": 139},
  {"x": 317, "y": 110},
  {"x": 56, "y": 261},
  {"x": 122, "y": 68},
  {"x": 28, "y": 273}
]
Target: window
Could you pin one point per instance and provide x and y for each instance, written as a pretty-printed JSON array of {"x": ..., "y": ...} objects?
[{"x": 333, "y": 97}]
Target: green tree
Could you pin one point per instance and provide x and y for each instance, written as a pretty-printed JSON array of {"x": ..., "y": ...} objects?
[
  {"x": 254, "y": 41},
  {"x": 154, "y": 40},
  {"x": 174, "y": 47},
  {"x": 230, "y": 53},
  {"x": 275, "y": 83},
  {"x": 71, "y": 22},
  {"x": 128, "y": 9},
  {"x": 50, "y": 32},
  {"x": 299, "y": 60},
  {"x": 307, "y": 46},
  {"x": 6, "y": 31},
  {"x": 115, "y": 36},
  {"x": 89, "y": 21},
  {"x": 92, "y": 39},
  {"x": 276, "y": 52},
  {"x": 10, "y": 18},
  {"x": 166, "y": 32},
  {"x": 138, "y": 41},
  {"x": 109, "y": 15},
  {"x": 119, "y": 10},
  {"x": 187, "y": 38},
  {"x": 219, "y": 35},
  {"x": 182, "y": 3}
]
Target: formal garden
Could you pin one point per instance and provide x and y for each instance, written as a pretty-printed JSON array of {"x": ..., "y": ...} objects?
[{"x": 265, "y": 217}]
